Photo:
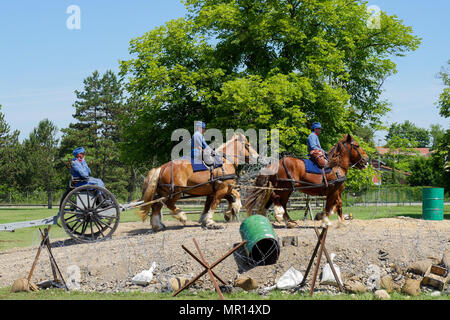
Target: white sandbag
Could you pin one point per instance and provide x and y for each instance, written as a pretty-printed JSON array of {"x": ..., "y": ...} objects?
[
  {"x": 289, "y": 280},
  {"x": 143, "y": 278},
  {"x": 327, "y": 273}
]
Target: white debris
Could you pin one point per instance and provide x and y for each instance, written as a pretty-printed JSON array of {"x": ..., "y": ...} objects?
[
  {"x": 143, "y": 278},
  {"x": 327, "y": 274},
  {"x": 373, "y": 281},
  {"x": 289, "y": 280}
]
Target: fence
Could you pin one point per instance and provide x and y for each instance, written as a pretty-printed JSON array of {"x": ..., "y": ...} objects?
[
  {"x": 385, "y": 196},
  {"x": 376, "y": 196},
  {"x": 40, "y": 198}
]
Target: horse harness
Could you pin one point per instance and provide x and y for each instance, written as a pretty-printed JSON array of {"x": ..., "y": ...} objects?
[
  {"x": 211, "y": 180},
  {"x": 309, "y": 185}
]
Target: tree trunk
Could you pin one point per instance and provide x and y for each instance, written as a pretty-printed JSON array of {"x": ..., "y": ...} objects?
[
  {"x": 49, "y": 199},
  {"x": 131, "y": 185}
]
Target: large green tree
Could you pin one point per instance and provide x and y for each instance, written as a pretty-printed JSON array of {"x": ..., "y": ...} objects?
[
  {"x": 416, "y": 137},
  {"x": 12, "y": 166},
  {"x": 41, "y": 154},
  {"x": 261, "y": 64}
]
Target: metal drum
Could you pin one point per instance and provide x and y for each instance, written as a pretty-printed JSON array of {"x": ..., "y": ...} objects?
[
  {"x": 262, "y": 245},
  {"x": 433, "y": 203}
]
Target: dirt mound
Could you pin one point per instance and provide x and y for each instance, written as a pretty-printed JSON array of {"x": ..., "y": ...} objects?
[{"x": 108, "y": 266}]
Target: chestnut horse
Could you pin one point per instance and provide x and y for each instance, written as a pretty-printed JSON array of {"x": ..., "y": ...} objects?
[
  {"x": 289, "y": 174},
  {"x": 177, "y": 177}
]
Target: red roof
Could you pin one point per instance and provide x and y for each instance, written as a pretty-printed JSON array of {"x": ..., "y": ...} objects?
[{"x": 422, "y": 151}]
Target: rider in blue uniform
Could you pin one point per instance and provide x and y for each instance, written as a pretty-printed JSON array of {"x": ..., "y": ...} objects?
[
  {"x": 80, "y": 170},
  {"x": 201, "y": 153},
  {"x": 313, "y": 143},
  {"x": 198, "y": 142},
  {"x": 313, "y": 139}
]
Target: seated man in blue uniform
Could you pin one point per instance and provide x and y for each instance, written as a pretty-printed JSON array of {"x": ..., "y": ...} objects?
[
  {"x": 80, "y": 170},
  {"x": 198, "y": 142},
  {"x": 315, "y": 151},
  {"x": 200, "y": 151}
]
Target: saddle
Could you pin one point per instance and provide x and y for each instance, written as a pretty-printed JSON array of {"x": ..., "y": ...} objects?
[{"x": 319, "y": 158}]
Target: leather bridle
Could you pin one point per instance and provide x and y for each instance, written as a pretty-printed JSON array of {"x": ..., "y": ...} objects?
[{"x": 352, "y": 146}]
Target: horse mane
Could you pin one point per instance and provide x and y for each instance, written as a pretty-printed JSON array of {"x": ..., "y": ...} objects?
[{"x": 336, "y": 154}]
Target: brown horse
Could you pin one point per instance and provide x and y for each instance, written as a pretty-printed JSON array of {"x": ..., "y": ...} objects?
[
  {"x": 289, "y": 174},
  {"x": 177, "y": 177}
]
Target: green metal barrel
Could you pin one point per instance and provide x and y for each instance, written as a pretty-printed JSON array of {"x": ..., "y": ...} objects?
[
  {"x": 262, "y": 245},
  {"x": 433, "y": 203}
]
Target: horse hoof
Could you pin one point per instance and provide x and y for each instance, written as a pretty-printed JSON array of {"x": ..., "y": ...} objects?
[{"x": 158, "y": 228}]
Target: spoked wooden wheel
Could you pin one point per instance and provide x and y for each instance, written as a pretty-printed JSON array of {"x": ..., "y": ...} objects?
[{"x": 89, "y": 213}]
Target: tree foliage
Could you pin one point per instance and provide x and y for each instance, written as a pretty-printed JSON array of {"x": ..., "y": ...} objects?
[
  {"x": 11, "y": 160},
  {"x": 444, "y": 97},
  {"x": 411, "y": 135},
  {"x": 261, "y": 64}
]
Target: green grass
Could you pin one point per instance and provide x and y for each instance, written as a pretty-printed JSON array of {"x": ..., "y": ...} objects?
[
  {"x": 27, "y": 237},
  {"x": 58, "y": 294}
]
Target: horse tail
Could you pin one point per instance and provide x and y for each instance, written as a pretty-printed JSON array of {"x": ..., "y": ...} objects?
[
  {"x": 259, "y": 196},
  {"x": 148, "y": 191}
]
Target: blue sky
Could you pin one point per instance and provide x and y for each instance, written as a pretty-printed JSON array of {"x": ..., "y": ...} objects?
[{"x": 42, "y": 62}]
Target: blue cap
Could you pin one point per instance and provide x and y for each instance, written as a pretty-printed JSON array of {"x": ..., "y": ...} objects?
[
  {"x": 200, "y": 124},
  {"x": 77, "y": 151},
  {"x": 316, "y": 125}
]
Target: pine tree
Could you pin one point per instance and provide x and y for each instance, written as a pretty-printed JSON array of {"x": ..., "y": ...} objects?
[
  {"x": 97, "y": 112},
  {"x": 42, "y": 158},
  {"x": 11, "y": 164}
]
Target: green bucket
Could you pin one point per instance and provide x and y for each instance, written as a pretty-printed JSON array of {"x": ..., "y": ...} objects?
[
  {"x": 433, "y": 203},
  {"x": 262, "y": 245}
]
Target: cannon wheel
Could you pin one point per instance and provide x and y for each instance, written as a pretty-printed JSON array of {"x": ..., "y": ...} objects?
[{"x": 89, "y": 213}]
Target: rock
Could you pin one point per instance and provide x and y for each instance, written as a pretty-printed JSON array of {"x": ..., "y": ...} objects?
[
  {"x": 435, "y": 293},
  {"x": 374, "y": 274},
  {"x": 383, "y": 255},
  {"x": 355, "y": 287},
  {"x": 411, "y": 287},
  {"x": 226, "y": 288},
  {"x": 23, "y": 284},
  {"x": 387, "y": 283},
  {"x": 246, "y": 283},
  {"x": 373, "y": 269},
  {"x": 373, "y": 282},
  {"x": 420, "y": 267},
  {"x": 382, "y": 294},
  {"x": 178, "y": 282}
]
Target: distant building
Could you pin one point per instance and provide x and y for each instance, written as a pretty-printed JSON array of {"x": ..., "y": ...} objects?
[
  {"x": 425, "y": 152},
  {"x": 380, "y": 167}
]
